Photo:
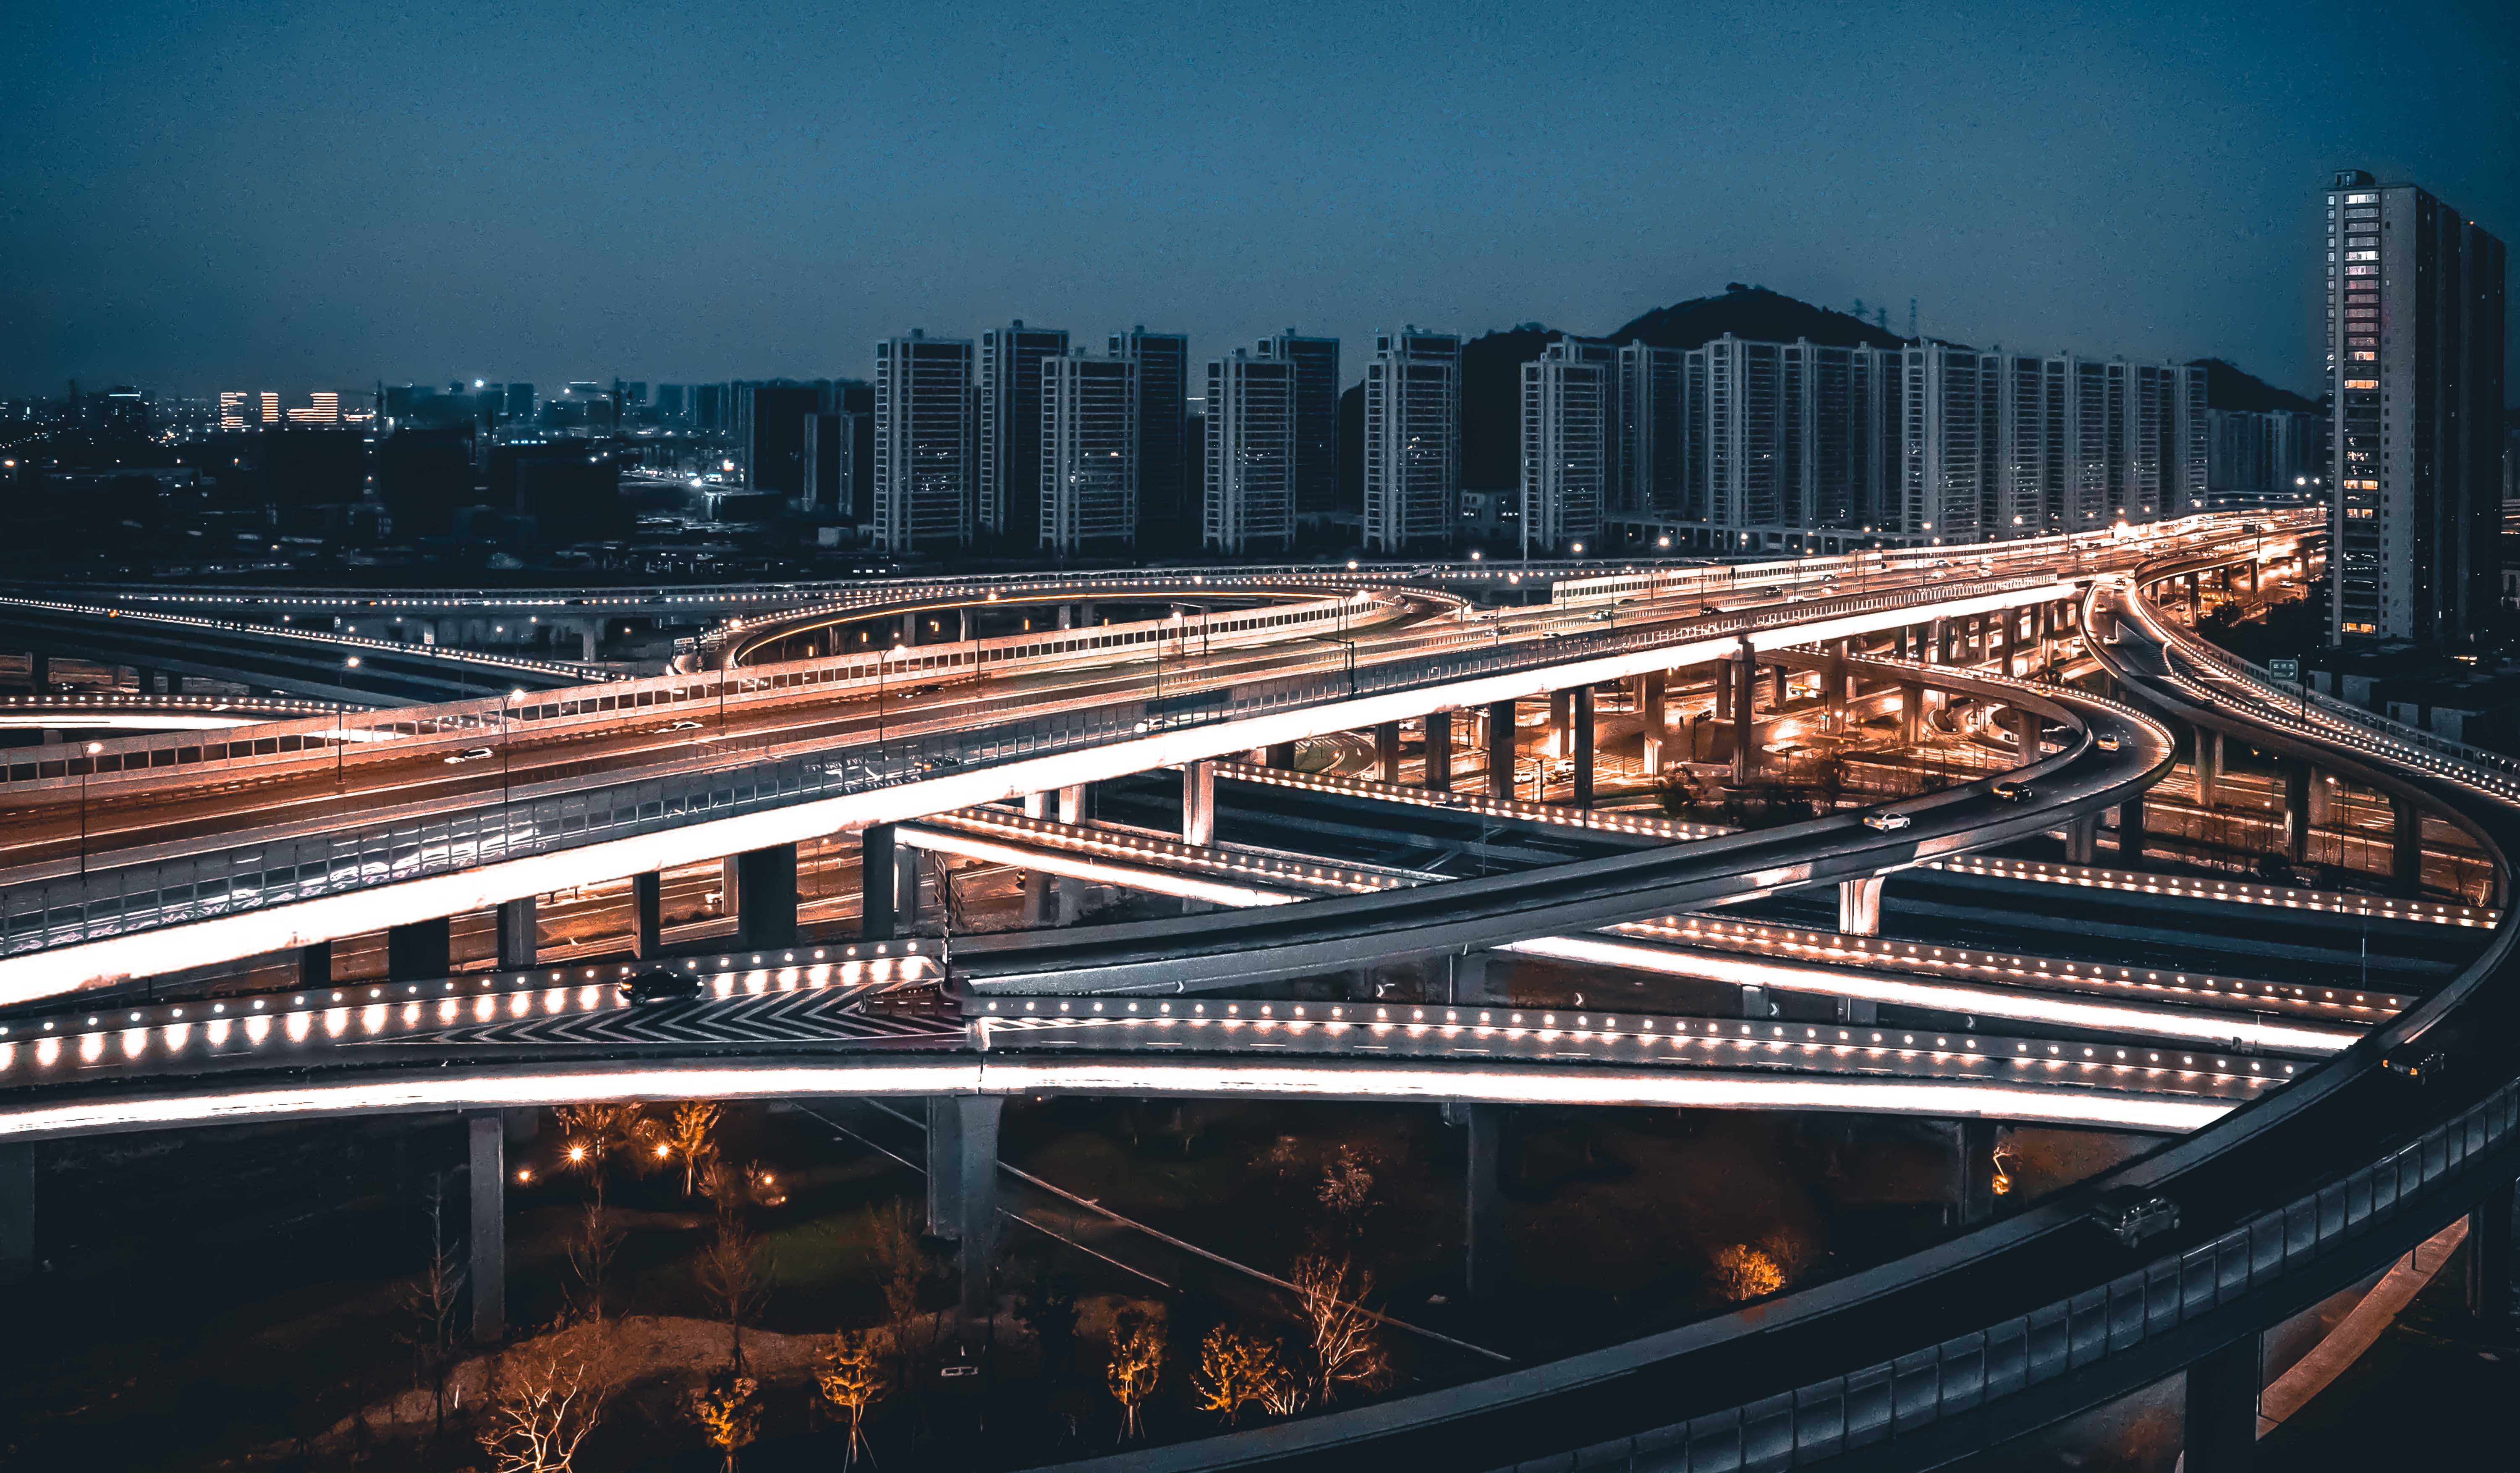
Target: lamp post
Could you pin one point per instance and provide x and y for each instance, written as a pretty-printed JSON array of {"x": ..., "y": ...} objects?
[
  {"x": 93, "y": 748},
  {"x": 507, "y": 763}
]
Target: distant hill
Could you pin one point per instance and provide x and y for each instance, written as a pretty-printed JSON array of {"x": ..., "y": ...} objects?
[
  {"x": 2227, "y": 385},
  {"x": 1492, "y": 403},
  {"x": 1755, "y": 313}
]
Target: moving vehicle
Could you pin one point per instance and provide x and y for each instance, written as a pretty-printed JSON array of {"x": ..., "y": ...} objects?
[
  {"x": 2012, "y": 791},
  {"x": 2107, "y": 741},
  {"x": 2420, "y": 1067},
  {"x": 2133, "y": 1214},
  {"x": 659, "y": 985},
  {"x": 468, "y": 755},
  {"x": 680, "y": 726},
  {"x": 1887, "y": 823}
]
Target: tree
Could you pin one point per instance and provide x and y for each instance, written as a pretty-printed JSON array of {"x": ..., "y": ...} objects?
[
  {"x": 1343, "y": 1345},
  {"x": 432, "y": 1304},
  {"x": 692, "y": 1135},
  {"x": 1743, "y": 1273},
  {"x": 593, "y": 1135},
  {"x": 851, "y": 1379},
  {"x": 1137, "y": 1366},
  {"x": 590, "y": 1251},
  {"x": 729, "y": 1417},
  {"x": 539, "y": 1411},
  {"x": 903, "y": 1268},
  {"x": 1346, "y": 1194},
  {"x": 1047, "y": 1307},
  {"x": 1235, "y": 1370},
  {"x": 730, "y": 1268}
]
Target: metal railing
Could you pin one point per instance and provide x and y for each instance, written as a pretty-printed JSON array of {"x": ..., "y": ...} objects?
[{"x": 105, "y": 902}]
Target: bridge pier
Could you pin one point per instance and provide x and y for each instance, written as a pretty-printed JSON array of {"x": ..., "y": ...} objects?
[
  {"x": 2131, "y": 833},
  {"x": 487, "y": 1242},
  {"x": 1439, "y": 751},
  {"x": 1912, "y": 713},
  {"x": 2026, "y": 728},
  {"x": 2083, "y": 840},
  {"x": 420, "y": 949},
  {"x": 2407, "y": 849},
  {"x": 1941, "y": 652},
  {"x": 1746, "y": 677},
  {"x": 1198, "y": 804},
  {"x": 1466, "y": 979},
  {"x": 315, "y": 964},
  {"x": 2222, "y": 1409},
  {"x": 516, "y": 935},
  {"x": 963, "y": 1191},
  {"x": 17, "y": 1213},
  {"x": 2489, "y": 1261},
  {"x": 1386, "y": 751},
  {"x": 647, "y": 915},
  {"x": 39, "y": 670},
  {"x": 876, "y": 845},
  {"x": 1584, "y": 733},
  {"x": 1076, "y": 800},
  {"x": 765, "y": 896},
  {"x": 1484, "y": 1245},
  {"x": 2207, "y": 763},
  {"x": 1282, "y": 755},
  {"x": 1836, "y": 686},
  {"x": 1975, "y": 1140},
  {"x": 1501, "y": 727},
  {"x": 1859, "y": 906},
  {"x": 1653, "y": 690},
  {"x": 2300, "y": 781}
]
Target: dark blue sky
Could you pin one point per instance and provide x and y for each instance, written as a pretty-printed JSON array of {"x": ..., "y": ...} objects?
[{"x": 274, "y": 195}]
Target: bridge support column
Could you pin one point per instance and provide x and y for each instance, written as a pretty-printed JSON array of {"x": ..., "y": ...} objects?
[
  {"x": 1386, "y": 751},
  {"x": 420, "y": 949},
  {"x": 1726, "y": 684},
  {"x": 2222, "y": 1409},
  {"x": 1976, "y": 1139},
  {"x": 2299, "y": 783},
  {"x": 1745, "y": 727},
  {"x": 17, "y": 1212},
  {"x": 2083, "y": 840},
  {"x": 906, "y": 863},
  {"x": 1439, "y": 751},
  {"x": 1652, "y": 701},
  {"x": 1912, "y": 713},
  {"x": 1582, "y": 746},
  {"x": 1859, "y": 906},
  {"x": 2026, "y": 728},
  {"x": 1561, "y": 724},
  {"x": 876, "y": 845},
  {"x": 1076, "y": 805},
  {"x": 2407, "y": 849},
  {"x": 1501, "y": 720},
  {"x": 315, "y": 964},
  {"x": 2489, "y": 1260},
  {"x": 766, "y": 896},
  {"x": 647, "y": 915},
  {"x": 2131, "y": 833},
  {"x": 1468, "y": 980},
  {"x": 1282, "y": 755},
  {"x": 1198, "y": 802},
  {"x": 1941, "y": 652},
  {"x": 1484, "y": 1248},
  {"x": 1780, "y": 687},
  {"x": 2207, "y": 764},
  {"x": 963, "y": 1191},
  {"x": 1836, "y": 686},
  {"x": 488, "y": 1136},
  {"x": 39, "y": 671},
  {"x": 517, "y": 934}
]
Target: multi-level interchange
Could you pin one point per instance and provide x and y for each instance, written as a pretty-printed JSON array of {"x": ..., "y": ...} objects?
[{"x": 783, "y": 819}]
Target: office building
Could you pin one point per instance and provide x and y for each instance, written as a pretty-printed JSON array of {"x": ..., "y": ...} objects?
[
  {"x": 235, "y": 408},
  {"x": 423, "y": 475},
  {"x": 924, "y": 443},
  {"x": 568, "y": 488},
  {"x": 1167, "y": 498},
  {"x": 1089, "y": 446},
  {"x": 1249, "y": 504},
  {"x": 770, "y": 435},
  {"x": 313, "y": 465},
  {"x": 1413, "y": 440},
  {"x": 1565, "y": 438},
  {"x": 2415, "y": 342},
  {"x": 829, "y": 452},
  {"x": 1317, "y": 394},
  {"x": 1010, "y": 433}
]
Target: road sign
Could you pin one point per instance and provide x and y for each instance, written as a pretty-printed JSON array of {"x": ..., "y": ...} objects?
[{"x": 2284, "y": 670}]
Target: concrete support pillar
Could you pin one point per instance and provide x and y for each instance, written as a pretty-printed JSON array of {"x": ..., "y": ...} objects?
[
  {"x": 419, "y": 950},
  {"x": 2489, "y": 1261},
  {"x": 1745, "y": 727},
  {"x": 1386, "y": 751},
  {"x": 876, "y": 847},
  {"x": 1198, "y": 804},
  {"x": 2407, "y": 849},
  {"x": 766, "y": 891},
  {"x": 1584, "y": 747},
  {"x": 1439, "y": 751},
  {"x": 315, "y": 964},
  {"x": 518, "y": 938},
  {"x": 2083, "y": 840},
  {"x": 1726, "y": 687},
  {"x": 144, "y": 680},
  {"x": 647, "y": 915},
  {"x": 1561, "y": 724},
  {"x": 1076, "y": 804},
  {"x": 2299, "y": 783},
  {"x": 1836, "y": 686},
  {"x": 1780, "y": 688},
  {"x": 1282, "y": 755},
  {"x": 488, "y": 1239},
  {"x": 1652, "y": 701},
  {"x": 1941, "y": 652},
  {"x": 17, "y": 1212},
  {"x": 1859, "y": 906},
  {"x": 2131, "y": 833},
  {"x": 1912, "y": 713},
  {"x": 963, "y": 1191},
  {"x": 2207, "y": 764},
  {"x": 1976, "y": 1185},
  {"x": 907, "y": 865},
  {"x": 1468, "y": 980},
  {"x": 1500, "y": 755},
  {"x": 2026, "y": 726},
  {"x": 2222, "y": 1409},
  {"x": 1485, "y": 1257},
  {"x": 1036, "y": 805},
  {"x": 39, "y": 671}
]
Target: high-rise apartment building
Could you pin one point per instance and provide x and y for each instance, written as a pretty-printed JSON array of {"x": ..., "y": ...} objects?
[
  {"x": 1089, "y": 445},
  {"x": 2272, "y": 456},
  {"x": 770, "y": 435},
  {"x": 1652, "y": 432},
  {"x": 1413, "y": 439},
  {"x": 2415, "y": 363},
  {"x": 1567, "y": 432},
  {"x": 1317, "y": 394},
  {"x": 235, "y": 408},
  {"x": 829, "y": 455},
  {"x": 924, "y": 443},
  {"x": 1167, "y": 493},
  {"x": 1250, "y": 455},
  {"x": 1010, "y": 433}
]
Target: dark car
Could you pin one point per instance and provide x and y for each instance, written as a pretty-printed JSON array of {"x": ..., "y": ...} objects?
[
  {"x": 2133, "y": 1214},
  {"x": 659, "y": 985},
  {"x": 2011, "y": 792},
  {"x": 2421, "y": 1068}
]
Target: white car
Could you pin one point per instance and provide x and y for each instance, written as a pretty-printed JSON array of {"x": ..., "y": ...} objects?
[
  {"x": 1887, "y": 823},
  {"x": 680, "y": 726},
  {"x": 468, "y": 755}
]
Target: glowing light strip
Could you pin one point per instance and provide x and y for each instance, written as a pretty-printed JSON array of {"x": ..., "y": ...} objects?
[
  {"x": 1104, "y": 871},
  {"x": 1536, "y": 1084}
]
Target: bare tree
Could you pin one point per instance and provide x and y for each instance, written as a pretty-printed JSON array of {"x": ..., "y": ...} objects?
[
  {"x": 591, "y": 1250},
  {"x": 593, "y": 1135},
  {"x": 1137, "y": 1366},
  {"x": 432, "y": 1304},
  {"x": 1235, "y": 1370},
  {"x": 692, "y": 1137},
  {"x": 1343, "y": 1347},
  {"x": 731, "y": 1269},
  {"x": 851, "y": 1378},
  {"x": 539, "y": 1411},
  {"x": 729, "y": 1417}
]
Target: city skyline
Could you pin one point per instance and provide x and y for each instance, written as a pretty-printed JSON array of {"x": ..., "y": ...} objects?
[{"x": 1442, "y": 191}]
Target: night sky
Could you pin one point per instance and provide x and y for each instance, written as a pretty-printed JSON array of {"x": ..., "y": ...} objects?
[{"x": 293, "y": 196}]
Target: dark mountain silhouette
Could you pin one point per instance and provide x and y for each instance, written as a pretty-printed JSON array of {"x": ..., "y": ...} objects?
[
  {"x": 1755, "y": 313},
  {"x": 2227, "y": 385},
  {"x": 1492, "y": 403}
]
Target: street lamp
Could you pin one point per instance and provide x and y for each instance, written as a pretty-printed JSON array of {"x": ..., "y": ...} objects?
[
  {"x": 93, "y": 748},
  {"x": 507, "y": 743}
]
